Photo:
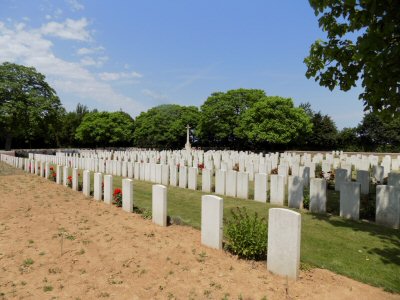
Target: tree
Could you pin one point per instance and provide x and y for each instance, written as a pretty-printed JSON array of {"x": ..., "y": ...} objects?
[
  {"x": 324, "y": 133},
  {"x": 220, "y": 115},
  {"x": 164, "y": 126},
  {"x": 274, "y": 121},
  {"x": 29, "y": 107},
  {"x": 70, "y": 122},
  {"x": 373, "y": 56},
  {"x": 379, "y": 134},
  {"x": 104, "y": 129},
  {"x": 348, "y": 140}
]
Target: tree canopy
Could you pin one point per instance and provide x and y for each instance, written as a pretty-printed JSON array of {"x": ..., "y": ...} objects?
[
  {"x": 164, "y": 126},
  {"x": 104, "y": 129},
  {"x": 363, "y": 43},
  {"x": 29, "y": 108},
  {"x": 220, "y": 115},
  {"x": 274, "y": 120}
]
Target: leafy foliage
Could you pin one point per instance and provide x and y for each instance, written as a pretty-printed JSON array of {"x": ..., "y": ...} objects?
[
  {"x": 103, "y": 129},
  {"x": 246, "y": 235},
  {"x": 274, "y": 120},
  {"x": 221, "y": 114},
  {"x": 164, "y": 126},
  {"x": 29, "y": 108},
  {"x": 363, "y": 43}
]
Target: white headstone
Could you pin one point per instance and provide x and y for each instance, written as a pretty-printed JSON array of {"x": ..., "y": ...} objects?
[
  {"x": 388, "y": 206},
  {"x": 318, "y": 195},
  {"x": 260, "y": 187},
  {"x": 97, "y": 186},
  {"x": 86, "y": 183},
  {"x": 127, "y": 195},
  {"x": 295, "y": 191},
  {"x": 108, "y": 189},
  {"x": 284, "y": 236},
  {"x": 350, "y": 200},
  {"x": 212, "y": 209},
  {"x": 159, "y": 205},
  {"x": 277, "y": 189}
]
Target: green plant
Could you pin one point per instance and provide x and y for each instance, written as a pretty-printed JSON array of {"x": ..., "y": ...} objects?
[
  {"x": 28, "y": 262},
  {"x": 306, "y": 199},
  {"x": 246, "y": 235},
  {"x": 47, "y": 288},
  {"x": 117, "y": 197}
]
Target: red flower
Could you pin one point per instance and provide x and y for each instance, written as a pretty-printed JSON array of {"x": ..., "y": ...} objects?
[
  {"x": 54, "y": 174},
  {"x": 200, "y": 166},
  {"x": 117, "y": 191},
  {"x": 51, "y": 168},
  {"x": 69, "y": 177}
]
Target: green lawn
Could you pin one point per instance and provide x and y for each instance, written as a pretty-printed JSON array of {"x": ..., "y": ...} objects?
[{"x": 360, "y": 250}]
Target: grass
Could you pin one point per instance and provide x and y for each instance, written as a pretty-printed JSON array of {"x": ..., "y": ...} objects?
[{"x": 358, "y": 249}]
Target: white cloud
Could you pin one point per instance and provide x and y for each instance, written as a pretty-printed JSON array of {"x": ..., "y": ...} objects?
[
  {"x": 153, "y": 94},
  {"x": 85, "y": 51},
  {"x": 75, "y": 5},
  {"x": 109, "y": 76},
  {"x": 31, "y": 48},
  {"x": 70, "y": 29}
]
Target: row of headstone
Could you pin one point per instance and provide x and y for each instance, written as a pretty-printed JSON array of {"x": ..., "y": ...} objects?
[{"x": 236, "y": 184}]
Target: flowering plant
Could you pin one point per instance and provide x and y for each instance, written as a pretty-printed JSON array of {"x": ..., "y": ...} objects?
[
  {"x": 117, "y": 197},
  {"x": 53, "y": 174},
  {"x": 200, "y": 166},
  {"x": 69, "y": 181}
]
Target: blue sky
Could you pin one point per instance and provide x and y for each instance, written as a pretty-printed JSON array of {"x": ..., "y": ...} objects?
[{"x": 133, "y": 55}]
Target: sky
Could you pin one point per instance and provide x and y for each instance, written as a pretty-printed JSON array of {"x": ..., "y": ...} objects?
[{"x": 132, "y": 55}]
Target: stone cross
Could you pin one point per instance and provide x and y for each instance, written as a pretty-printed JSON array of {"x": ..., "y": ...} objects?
[{"x": 187, "y": 145}]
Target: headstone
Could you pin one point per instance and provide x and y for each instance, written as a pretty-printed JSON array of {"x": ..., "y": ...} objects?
[
  {"x": 173, "y": 179},
  {"x": 340, "y": 177},
  {"x": 363, "y": 179},
  {"x": 75, "y": 178},
  {"x": 212, "y": 209},
  {"x": 295, "y": 192},
  {"x": 394, "y": 179},
  {"x": 318, "y": 195},
  {"x": 350, "y": 200},
  {"x": 230, "y": 183},
  {"x": 260, "y": 187},
  {"x": 242, "y": 185},
  {"x": 220, "y": 182},
  {"x": 86, "y": 183},
  {"x": 65, "y": 176},
  {"x": 192, "y": 178},
  {"x": 58, "y": 174},
  {"x": 388, "y": 206},
  {"x": 127, "y": 195},
  {"x": 46, "y": 170},
  {"x": 108, "y": 189},
  {"x": 284, "y": 236},
  {"x": 206, "y": 182},
  {"x": 159, "y": 205},
  {"x": 97, "y": 186},
  {"x": 165, "y": 175},
  {"x": 378, "y": 173},
  {"x": 158, "y": 168},
  {"x": 277, "y": 189},
  {"x": 183, "y": 177}
]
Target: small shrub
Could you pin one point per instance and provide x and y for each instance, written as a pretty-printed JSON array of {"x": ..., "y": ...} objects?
[
  {"x": 246, "y": 235},
  {"x": 306, "y": 199},
  {"x": 117, "y": 197},
  {"x": 69, "y": 181}
]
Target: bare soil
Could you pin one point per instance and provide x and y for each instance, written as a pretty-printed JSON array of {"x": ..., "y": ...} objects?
[{"x": 57, "y": 244}]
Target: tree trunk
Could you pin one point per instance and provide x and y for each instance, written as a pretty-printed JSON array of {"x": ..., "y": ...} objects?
[{"x": 8, "y": 142}]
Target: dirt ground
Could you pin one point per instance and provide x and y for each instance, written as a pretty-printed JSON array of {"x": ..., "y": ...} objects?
[{"x": 57, "y": 244}]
